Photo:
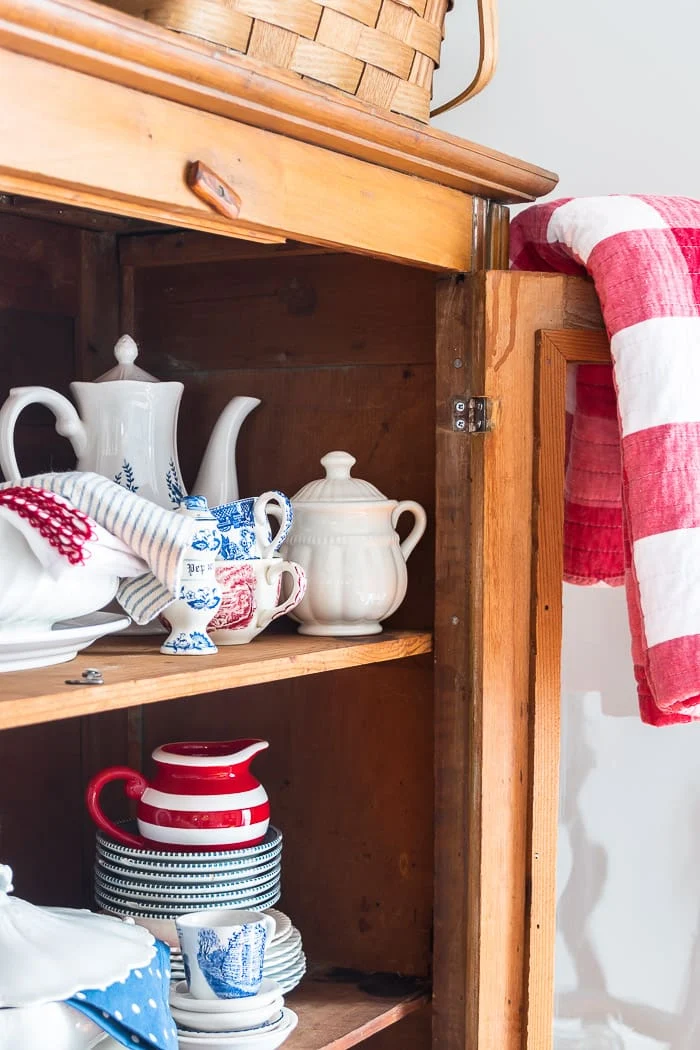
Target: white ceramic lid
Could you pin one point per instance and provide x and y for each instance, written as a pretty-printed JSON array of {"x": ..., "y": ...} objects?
[
  {"x": 49, "y": 954},
  {"x": 126, "y": 351},
  {"x": 338, "y": 486}
]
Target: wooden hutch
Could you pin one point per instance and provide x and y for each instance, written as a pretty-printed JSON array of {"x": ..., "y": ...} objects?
[{"x": 348, "y": 290}]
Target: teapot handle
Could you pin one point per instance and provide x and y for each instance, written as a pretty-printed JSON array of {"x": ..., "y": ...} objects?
[
  {"x": 134, "y": 788},
  {"x": 68, "y": 423},
  {"x": 418, "y": 526}
]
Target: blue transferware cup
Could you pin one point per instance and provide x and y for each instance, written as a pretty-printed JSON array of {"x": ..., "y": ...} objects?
[
  {"x": 245, "y": 527},
  {"x": 223, "y": 950}
]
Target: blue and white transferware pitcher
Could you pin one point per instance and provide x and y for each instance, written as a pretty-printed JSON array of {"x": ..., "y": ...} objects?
[{"x": 126, "y": 430}]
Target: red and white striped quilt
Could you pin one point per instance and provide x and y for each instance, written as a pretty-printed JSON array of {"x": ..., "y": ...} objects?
[{"x": 633, "y": 475}]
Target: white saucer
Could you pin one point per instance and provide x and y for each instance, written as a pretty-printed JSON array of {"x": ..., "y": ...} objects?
[
  {"x": 25, "y": 648},
  {"x": 283, "y": 924},
  {"x": 289, "y": 979},
  {"x": 261, "y": 1040},
  {"x": 183, "y": 1000},
  {"x": 264, "y": 1019},
  {"x": 278, "y": 950},
  {"x": 287, "y": 970}
]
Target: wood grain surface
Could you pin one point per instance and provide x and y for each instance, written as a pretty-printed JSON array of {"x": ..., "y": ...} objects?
[
  {"x": 556, "y": 349},
  {"x": 81, "y": 35},
  {"x": 488, "y": 1010},
  {"x": 335, "y": 1016},
  {"x": 135, "y": 673},
  {"x": 323, "y": 197}
]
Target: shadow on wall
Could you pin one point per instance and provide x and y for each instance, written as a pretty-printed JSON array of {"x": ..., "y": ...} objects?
[{"x": 628, "y": 919}]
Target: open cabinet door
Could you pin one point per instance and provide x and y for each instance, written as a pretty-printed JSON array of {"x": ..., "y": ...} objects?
[{"x": 488, "y": 873}]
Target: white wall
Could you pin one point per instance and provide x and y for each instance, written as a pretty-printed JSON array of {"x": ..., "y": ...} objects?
[{"x": 605, "y": 92}]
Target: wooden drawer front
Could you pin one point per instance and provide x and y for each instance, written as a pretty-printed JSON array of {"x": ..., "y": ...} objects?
[{"x": 72, "y": 138}]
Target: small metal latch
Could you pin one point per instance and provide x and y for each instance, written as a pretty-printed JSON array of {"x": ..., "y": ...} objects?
[
  {"x": 472, "y": 415},
  {"x": 89, "y": 677}
]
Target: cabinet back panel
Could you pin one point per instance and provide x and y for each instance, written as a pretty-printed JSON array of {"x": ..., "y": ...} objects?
[
  {"x": 349, "y": 775},
  {"x": 353, "y": 370},
  {"x": 285, "y": 312},
  {"x": 340, "y": 351},
  {"x": 49, "y": 276}
]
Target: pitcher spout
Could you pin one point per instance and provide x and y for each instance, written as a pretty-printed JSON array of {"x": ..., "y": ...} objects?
[
  {"x": 244, "y": 750},
  {"x": 217, "y": 478}
]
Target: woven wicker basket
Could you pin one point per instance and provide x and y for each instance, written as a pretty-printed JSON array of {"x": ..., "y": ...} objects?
[{"x": 383, "y": 52}]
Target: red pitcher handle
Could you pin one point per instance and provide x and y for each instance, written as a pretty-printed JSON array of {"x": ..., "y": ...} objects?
[{"x": 134, "y": 786}]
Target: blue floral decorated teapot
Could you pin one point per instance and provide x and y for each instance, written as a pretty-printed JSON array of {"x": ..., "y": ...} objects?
[{"x": 126, "y": 430}]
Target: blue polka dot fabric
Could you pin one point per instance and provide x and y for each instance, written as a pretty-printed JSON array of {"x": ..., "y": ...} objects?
[{"x": 135, "y": 1011}]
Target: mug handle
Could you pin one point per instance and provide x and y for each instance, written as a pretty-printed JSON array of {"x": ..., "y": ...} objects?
[
  {"x": 279, "y": 507},
  {"x": 298, "y": 590},
  {"x": 418, "y": 527},
  {"x": 134, "y": 787},
  {"x": 270, "y": 929}
]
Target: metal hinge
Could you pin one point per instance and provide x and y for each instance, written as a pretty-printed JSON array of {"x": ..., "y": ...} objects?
[{"x": 472, "y": 415}]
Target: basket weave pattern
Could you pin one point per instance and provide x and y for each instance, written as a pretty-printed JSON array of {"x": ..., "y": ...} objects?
[{"x": 381, "y": 51}]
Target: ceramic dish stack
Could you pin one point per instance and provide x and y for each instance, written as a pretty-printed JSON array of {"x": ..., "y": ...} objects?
[
  {"x": 154, "y": 887},
  {"x": 257, "y": 1022},
  {"x": 285, "y": 962}
]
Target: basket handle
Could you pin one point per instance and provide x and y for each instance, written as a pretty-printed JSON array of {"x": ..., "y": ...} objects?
[{"x": 488, "y": 56}]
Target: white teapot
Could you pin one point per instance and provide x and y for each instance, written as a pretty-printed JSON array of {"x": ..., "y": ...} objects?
[
  {"x": 127, "y": 431},
  {"x": 344, "y": 537}
]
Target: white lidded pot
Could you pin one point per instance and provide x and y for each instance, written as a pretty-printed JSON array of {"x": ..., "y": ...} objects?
[{"x": 344, "y": 537}]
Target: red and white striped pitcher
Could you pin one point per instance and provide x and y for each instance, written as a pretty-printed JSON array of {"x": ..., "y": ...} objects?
[{"x": 202, "y": 797}]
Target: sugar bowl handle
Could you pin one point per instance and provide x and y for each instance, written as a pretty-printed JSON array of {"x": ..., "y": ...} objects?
[
  {"x": 134, "y": 787},
  {"x": 418, "y": 526}
]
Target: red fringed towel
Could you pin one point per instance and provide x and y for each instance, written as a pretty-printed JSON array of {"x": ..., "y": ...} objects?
[{"x": 633, "y": 474}]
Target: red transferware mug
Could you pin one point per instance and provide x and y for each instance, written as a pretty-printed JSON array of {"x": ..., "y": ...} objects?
[{"x": 202, "y": 797}]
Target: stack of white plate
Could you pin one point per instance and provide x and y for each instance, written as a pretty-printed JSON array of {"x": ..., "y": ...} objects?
[
  {"x": 257, "y": 1022},
  {"x": 150, "y": 884},
  {"x": 285, "y": 961}
]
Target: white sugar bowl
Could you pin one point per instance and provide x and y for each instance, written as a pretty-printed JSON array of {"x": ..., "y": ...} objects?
[{"x": 344, "y": 537}]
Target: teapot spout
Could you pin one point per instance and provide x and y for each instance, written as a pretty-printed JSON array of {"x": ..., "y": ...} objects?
[{"x": 217, "y": 479}]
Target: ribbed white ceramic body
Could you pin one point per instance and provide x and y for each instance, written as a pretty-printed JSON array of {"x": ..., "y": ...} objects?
[{"x": 355, "y": 569}]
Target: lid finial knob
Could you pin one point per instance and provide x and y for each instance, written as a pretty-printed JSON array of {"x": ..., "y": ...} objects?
[
  {"x": 338, "y": 464},
  {"x": 125, "y": 350}
]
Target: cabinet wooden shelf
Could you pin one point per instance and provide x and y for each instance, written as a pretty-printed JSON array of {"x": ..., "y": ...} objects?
[
  {"x": 135, "y": 673},
  {"x": 336, "y": 1016}
]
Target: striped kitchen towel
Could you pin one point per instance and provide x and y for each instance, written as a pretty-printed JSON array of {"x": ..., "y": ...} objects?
[
  {"x": 160, "y": 537},
  {"x": 633, "y": 474}
]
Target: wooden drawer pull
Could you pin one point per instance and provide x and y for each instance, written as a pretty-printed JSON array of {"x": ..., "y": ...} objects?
[{"x": 211, "y": 189}]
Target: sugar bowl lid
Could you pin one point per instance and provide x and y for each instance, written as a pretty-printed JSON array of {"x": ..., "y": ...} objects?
[
  {"x": 49, "y": 954},
  {"x": 338, "y": 486},
  {"x": 126, "y": 351}
]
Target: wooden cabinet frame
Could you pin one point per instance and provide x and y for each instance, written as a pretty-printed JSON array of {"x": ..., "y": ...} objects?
[
  {"x": 495, "y": 689},
  {"x": 314, "y": 170}
]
